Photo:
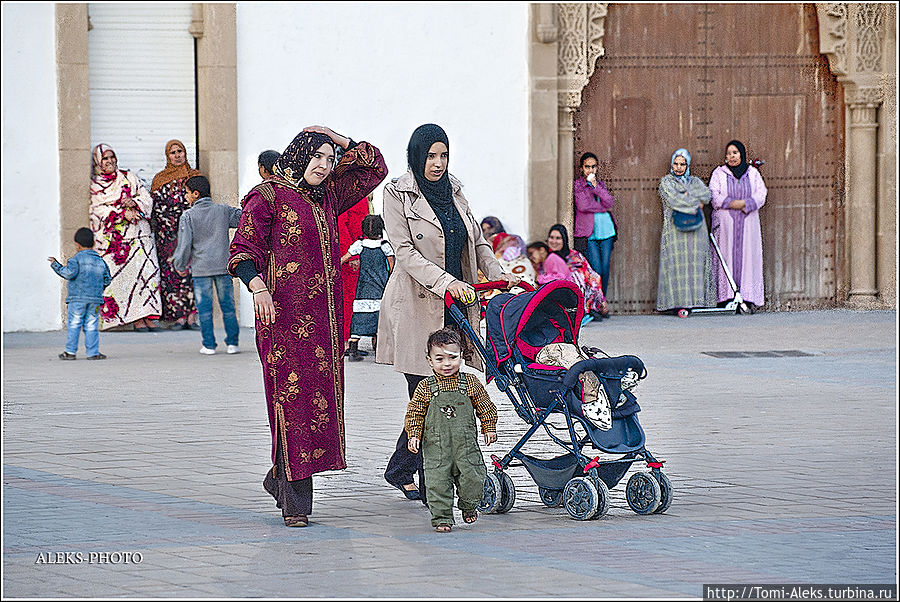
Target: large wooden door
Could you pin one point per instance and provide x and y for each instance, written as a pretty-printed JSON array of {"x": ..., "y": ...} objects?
[{"x": 697, "y": 76}]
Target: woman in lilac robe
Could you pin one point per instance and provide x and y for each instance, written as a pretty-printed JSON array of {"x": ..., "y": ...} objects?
[
  {"x": 286, "y": 251},
  {"x": 738, "y": 193}
]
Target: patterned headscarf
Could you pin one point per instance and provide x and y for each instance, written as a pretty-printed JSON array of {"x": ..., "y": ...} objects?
[
  {"x": 96, "y": 172},
  {"x": 742, "y": 166},
  {"x": 440, "y": 192},
  {"x": 173, "y": 172},
  {"x": 292, "y": 163},
  {"x": 681, "y": 152}
]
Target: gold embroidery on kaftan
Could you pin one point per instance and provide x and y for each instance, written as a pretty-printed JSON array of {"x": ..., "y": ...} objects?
[
  {"x": 291, "y": 230},
  {"x": 281, "y": 428},
  {"x": 304, "y": 328},
  {"x": 287, "y": 269},
  {"x": 275, "y": 355},
  {"x": 314, "y": 286},
  {"x": 321, "y": 419},
  {"x": 289, "y": 392},
  {"x": 320, "y": 354},
  {"x": 247, "y": 229}
]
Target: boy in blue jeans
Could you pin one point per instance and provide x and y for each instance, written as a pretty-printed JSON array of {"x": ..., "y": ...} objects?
[
  {"x": 203, "y": 245},
  {"x": 88, "y": 275}
]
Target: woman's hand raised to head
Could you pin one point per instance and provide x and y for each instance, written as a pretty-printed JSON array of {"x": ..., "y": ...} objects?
[{"x": 342, "y": 141}]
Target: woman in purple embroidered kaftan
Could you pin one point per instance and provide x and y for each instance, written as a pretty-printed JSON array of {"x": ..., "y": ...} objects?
[
  {"x": 286, "y": 251},
  {"x": 738, "y": 193}
]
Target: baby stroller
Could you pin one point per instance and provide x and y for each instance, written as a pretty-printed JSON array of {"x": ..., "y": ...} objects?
[{"x": 518, "y": 327}]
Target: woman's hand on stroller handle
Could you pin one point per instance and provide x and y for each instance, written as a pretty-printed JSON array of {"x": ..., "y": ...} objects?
[{"x": 461, "y": 291}]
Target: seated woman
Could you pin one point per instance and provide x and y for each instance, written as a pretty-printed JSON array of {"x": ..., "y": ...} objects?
[
  {"x": 491, "y": 226},
  {"x": 589, "y": 281},
  {"x": 547, "y": 265},
  {"x": 510, "y": 251}
]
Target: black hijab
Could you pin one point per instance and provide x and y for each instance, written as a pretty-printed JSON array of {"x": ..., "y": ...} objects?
[
  {"x": 440, "y": 192},
  {"x": 292, "y": 163},
  {"x": 439, "y": 196},
  {"x": 741, "y": 169},
  {"x": 564, "y": 252}
]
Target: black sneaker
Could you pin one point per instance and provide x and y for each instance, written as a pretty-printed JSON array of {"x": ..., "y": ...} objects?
[
  {"x": 65, "y": 355},
  {"x": 99, "y": 356}
]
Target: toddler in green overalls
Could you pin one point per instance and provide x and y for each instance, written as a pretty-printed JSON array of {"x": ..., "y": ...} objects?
[{"x": 440, "y": 416}]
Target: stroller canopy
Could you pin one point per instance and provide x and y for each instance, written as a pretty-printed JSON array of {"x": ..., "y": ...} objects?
[{"x": 530, "y": 321}]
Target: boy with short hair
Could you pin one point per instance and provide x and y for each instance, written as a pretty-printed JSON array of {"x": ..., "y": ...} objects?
[
  {"x": 266, "y": 163},
  {"x": 203, "y": 245},
  {"x": 88, "y": 275},
  {"x": 440, "y": 417}
]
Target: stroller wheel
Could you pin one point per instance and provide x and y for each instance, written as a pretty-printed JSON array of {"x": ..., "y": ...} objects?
[
  {"x": 665, "y": 490},
  {"x": 581, "y": 499},
  {"x": 683, "y": 313},
  {"x": 552, "y": 498},
  {"x": 493, "y": 493},
  {"x": 643, "y": 493},
  {"x": 602, "y": 494},
  {"x": 507, "y": 493}
]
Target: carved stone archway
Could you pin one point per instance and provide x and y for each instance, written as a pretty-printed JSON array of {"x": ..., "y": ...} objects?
[
  {"x": 860, "y": 43},
  {"x": 567, "y": 38}
]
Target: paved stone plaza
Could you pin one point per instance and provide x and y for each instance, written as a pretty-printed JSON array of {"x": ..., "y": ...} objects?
[{"x": 783, "y": 469}]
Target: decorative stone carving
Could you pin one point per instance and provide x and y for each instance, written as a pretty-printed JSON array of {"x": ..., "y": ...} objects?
[
  {"x": 547, "y": 33},
  {"x": 833, "y": 35},
  {"x": 867, "y": 95},
  {"x": 580, "y": 32},
  {"x": 869, "y": 26}
]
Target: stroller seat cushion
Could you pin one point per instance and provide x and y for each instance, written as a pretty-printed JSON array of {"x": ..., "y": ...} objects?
[{"x": 594, "y": 401}]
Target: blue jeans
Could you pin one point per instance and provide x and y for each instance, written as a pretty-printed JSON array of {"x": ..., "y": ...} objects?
[
  {"x": 203, "y": 299},
  {"x": 598, "y": 253},
  {"x": 84, "y": 316}
]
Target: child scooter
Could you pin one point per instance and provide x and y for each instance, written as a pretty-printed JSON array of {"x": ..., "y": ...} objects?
[{"x": 735, "y": 306}]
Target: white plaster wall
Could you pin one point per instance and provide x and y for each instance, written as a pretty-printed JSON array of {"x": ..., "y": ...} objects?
[
  {"x": 30, "y": 169},
  {"x": 375, "y": 72}
]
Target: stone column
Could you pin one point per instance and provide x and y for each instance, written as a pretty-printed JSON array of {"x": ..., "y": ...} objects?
[
  {"x": 543, "y": 137},
  {"x": 74, "y": 117},
  {"x": 214, "y": 26},
  {"x": 565, "y": 212},
  {"x": 861, "y": 202}
]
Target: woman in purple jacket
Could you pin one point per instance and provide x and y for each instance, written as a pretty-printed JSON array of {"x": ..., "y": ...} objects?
[{"x": 595, "y": 227}]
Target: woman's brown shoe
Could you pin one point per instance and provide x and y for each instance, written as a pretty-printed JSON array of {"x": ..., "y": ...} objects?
[{"x": 300, "y": 520}]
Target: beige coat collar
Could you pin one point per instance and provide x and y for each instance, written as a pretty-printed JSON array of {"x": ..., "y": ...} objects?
[{"x": 420, "y": 206}]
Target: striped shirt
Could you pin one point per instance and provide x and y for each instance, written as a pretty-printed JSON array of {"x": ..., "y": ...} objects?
[{"x": 481, "y": 401}]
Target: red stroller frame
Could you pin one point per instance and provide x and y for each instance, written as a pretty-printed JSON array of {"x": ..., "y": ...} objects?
[{"x": 579, "y": 483}]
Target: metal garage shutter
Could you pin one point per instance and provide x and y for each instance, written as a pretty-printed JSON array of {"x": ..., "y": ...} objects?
[{"x": 142, "y": 82}]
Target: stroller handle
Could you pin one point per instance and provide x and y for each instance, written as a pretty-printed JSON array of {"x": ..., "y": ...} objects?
[{"x": 487, "y": 286}]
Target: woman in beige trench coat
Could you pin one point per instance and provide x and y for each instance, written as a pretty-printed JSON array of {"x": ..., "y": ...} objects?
[{"x": 439, "y": 247}]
